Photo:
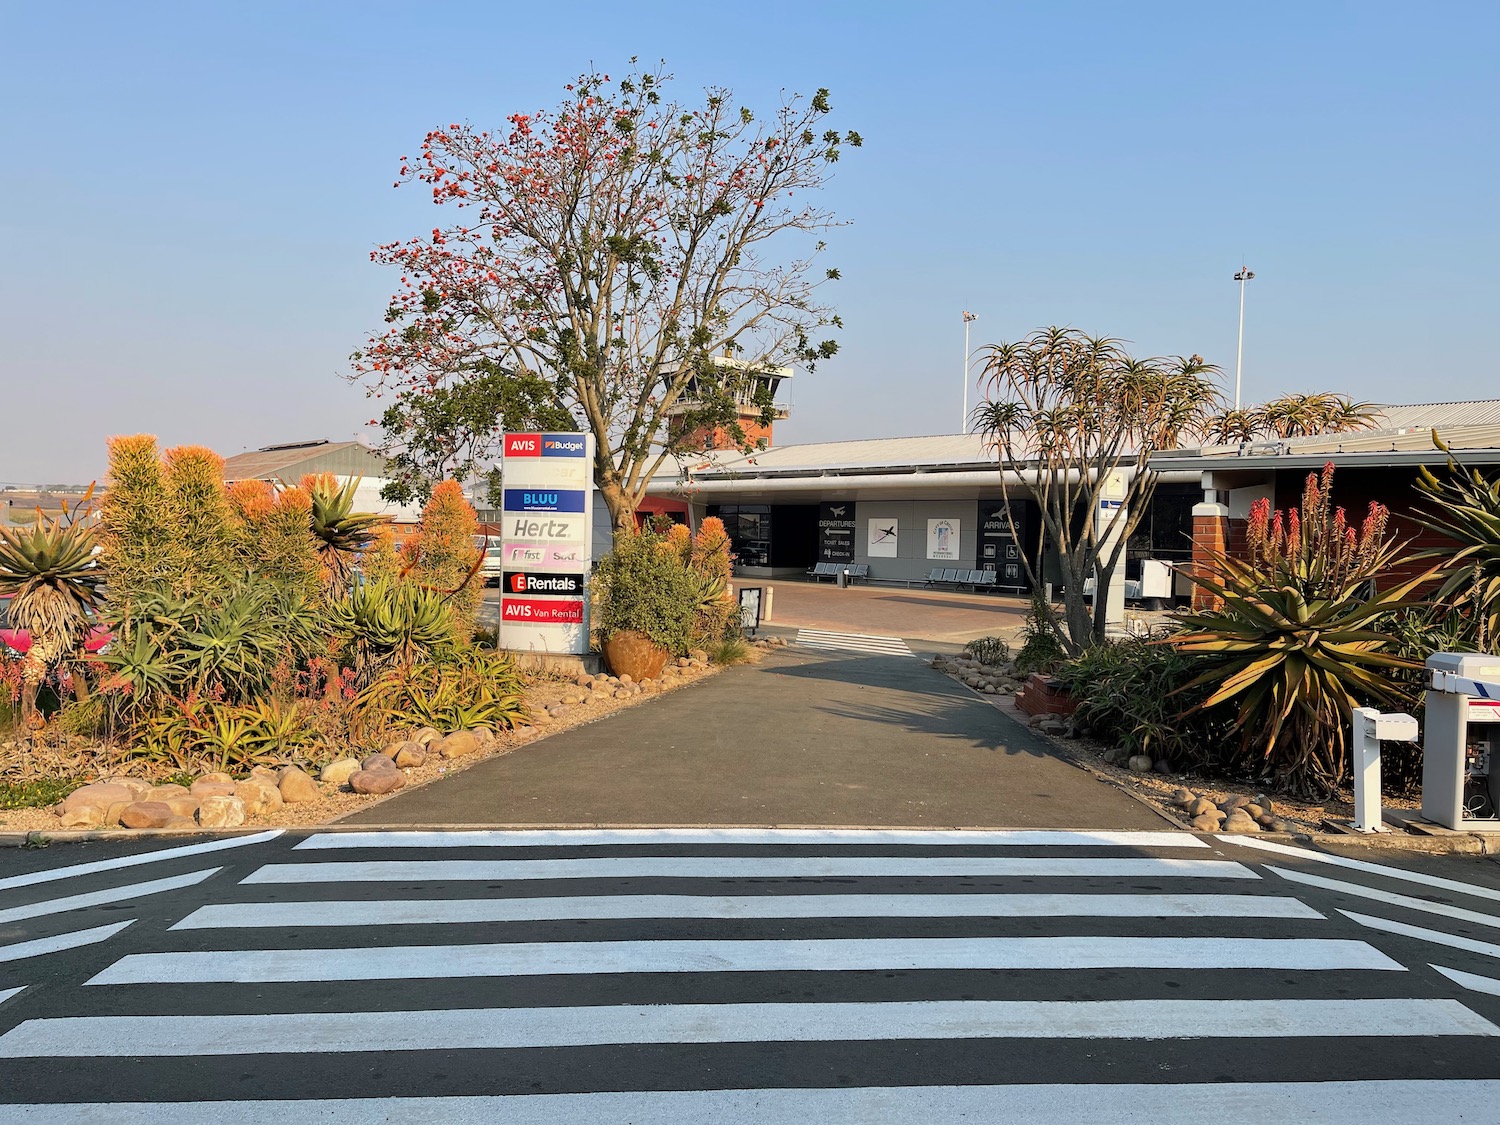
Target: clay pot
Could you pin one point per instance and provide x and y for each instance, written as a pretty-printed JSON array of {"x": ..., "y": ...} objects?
[{"x": 635, "y": 655}]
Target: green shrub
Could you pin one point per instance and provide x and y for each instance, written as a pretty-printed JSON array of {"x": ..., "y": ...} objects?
[
  {"x": 729, "y": 650},
  {"x": 988, "y": 650},
  {"x": 1135, "y": 694},
  {"x": 1041, "y": 651},
  {"x": 641, "y": 586},
  {"x": 388, "y": 624},
  {"x": 35, "y": 793},
  {"x": 474, "y": 689}
]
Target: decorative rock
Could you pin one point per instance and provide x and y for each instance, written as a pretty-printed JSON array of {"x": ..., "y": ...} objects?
[
  {"x": 1200, "y": 806},
  {"x": 682, "y": 662},
  {"x": 1238, "y": 822},
  {"x": 540, "y": 719},
  {"x": 164, "y": 792},
  {"x": 267, "y": 774},
  {"x": 1141, "y": 763},
  {"x": 147, "y": 814},
  {"x": 297, "y": 787},
  {"x": 1229, "y": 804},
  {"x": 457, "y": 744},
  {"x": 1278, "y": 825},
  {"x": 1114, "y": 756},
  {"x": 1183, "y": 797},
  {"x": 584, "y": 680},
  {"x": 134, "y": 784},
  {"x": 486, "y": 737},
  {"x": 260, "y": 796},
  {"x": 114, "y": 812},
  {"x": 1265, "y": 820},
  {"x": 83, "y": 816},
  {"x": 216, "y": 777},
  {"x": 1205, "y": 823},
  {"x": 221, "y": 812},
  {"x": 377, "y": 762},
  {"x": 1253, "y": 811},
  {"x": 183, "y": 806},
  {"x": 1264, "y": 802},
  {"x": 393, "y": 751},
  {"x": 100, "y": 795},
  {"x": 573, "y": 697},
  {"x": 377, "y": 781},
  {"x": 181, "y": 822},
  {"x": 425, "y": 735},
  {"x": 698, "y": 654},
  {"x": 671, "y": 670},
  {"x": 627, "y": 678},
  {"x": 558, "y": 711},
  {"x": 1162, "y": 766},
  {"x": 339, "y": 771},
  {"x": 206, "y": 787},
  {"x": 410, "y": 756}
]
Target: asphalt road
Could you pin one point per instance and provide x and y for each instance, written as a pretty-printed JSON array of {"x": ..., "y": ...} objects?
[
  {"x": 745, "y": 975},
  {"x": 823, "y": 736}
]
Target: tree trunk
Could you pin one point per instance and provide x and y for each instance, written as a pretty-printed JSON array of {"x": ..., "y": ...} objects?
[{"x": 621, "y": 507}]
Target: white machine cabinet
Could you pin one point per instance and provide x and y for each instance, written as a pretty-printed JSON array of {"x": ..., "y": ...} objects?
[{"x": 1461, "y": 750}]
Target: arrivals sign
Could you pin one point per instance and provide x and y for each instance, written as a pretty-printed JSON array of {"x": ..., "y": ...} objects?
[
  {"x": 836, "y": 528},
  {"x": 546, "y": 532},
  {"x": 998, "y": 549}
]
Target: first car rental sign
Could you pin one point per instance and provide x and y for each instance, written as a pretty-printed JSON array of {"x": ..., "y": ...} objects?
[{"x": 547, "y": 526}]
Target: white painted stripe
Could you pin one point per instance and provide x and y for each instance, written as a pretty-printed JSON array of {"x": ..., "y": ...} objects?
[
  {"x": 1471, "y": 981},
  {"x": 832, "y": 646},
  {"x": 6, "y": 994},
  {"x": 1388, "y": 898},
  {"x": 34, "y": 877},
  {"x": 855, "y": 644},
  {"x": 1361, "y": 865},
  {"x": 1438, "y": 937},
  {"x": 511, "y": 1028},
  {"x": 427, "y": 962},
  {"x": 58, "y": 942},
  {"x": 1044, "y": 1103},
  {"x": 739, "y": 867},
  {"x": 97, "y": 898},
  {"x": 679, "y": 837},
  {"x": 423, "y": 912},
  {"x": 849, "y": 636}
]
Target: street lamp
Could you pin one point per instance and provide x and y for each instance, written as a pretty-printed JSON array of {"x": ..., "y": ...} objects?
[
  {"x": 1239, "y": 356},
  {"x": 969, "y": 318}
]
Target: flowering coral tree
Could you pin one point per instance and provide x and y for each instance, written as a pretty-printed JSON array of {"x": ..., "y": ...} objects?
[{"x": 603, "y": 256}]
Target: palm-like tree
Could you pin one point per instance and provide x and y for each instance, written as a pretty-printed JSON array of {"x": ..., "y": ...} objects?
[
  {"x": 46, "y": 569},
  {"x": 341, "y": 533}
]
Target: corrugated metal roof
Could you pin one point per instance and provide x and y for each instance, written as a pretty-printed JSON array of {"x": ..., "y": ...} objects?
[
  {"x": 342, "y": 458},
  {"x": 1480, "y": 412},
  {"x": 869, "y": 454}
]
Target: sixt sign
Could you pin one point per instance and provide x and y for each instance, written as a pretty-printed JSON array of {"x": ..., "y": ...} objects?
[
  {"x": 526, "y": 582},
  {"x": 544, "y": 500}
]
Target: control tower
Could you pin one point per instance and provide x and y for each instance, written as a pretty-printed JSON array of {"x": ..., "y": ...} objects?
[{"x": 755, "y": 388}]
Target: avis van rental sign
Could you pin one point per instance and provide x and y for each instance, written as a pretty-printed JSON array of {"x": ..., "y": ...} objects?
[{"x": 546, "y": 530}]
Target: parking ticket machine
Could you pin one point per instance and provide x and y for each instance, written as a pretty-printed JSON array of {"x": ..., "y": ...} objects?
[{"x": 1461, "y": 747}]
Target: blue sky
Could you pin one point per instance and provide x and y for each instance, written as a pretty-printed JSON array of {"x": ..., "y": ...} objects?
[{"x": 193, "y": 191}]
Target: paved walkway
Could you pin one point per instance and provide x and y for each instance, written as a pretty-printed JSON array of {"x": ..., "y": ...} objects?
[
  {"x": 915, "y": 614},
  {"x": 804, "y": 739}
]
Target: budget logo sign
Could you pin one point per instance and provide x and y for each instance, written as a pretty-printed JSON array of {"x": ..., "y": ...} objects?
[
  {"x": 563, "y": 445},
  {"x": 544, "y": 500}
]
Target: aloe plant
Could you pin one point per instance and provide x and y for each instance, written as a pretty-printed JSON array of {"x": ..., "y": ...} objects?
[
  {"x": 1466, "y": 508},
  {"x": 341, "y": 533},
  {"x": 47, "y": 569},
  {"x": 1296, "y": 640}
]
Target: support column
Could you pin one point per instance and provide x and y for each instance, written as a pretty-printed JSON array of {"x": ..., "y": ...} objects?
[
  {"x": 1210, "y": 536},
  {"x": 1111, "y": 506}
]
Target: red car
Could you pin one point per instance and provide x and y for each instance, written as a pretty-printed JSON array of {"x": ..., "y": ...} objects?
[{"x": 18, "y": 641}]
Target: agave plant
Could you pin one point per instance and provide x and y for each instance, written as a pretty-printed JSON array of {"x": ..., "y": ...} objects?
[
  {"x": 1296, "y": 640},
  {"x": 1466, "y": 508},
  {"x": 47, "y": 571},
  {"x": 341, "y": 533}
]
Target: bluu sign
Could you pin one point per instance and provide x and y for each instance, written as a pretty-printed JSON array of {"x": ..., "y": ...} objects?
[{"x": 543, "y": 500}]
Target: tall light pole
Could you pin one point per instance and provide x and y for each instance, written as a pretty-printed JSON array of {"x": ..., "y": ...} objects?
[
  {"x": 969, "y": 318},
  {"x": 1239, "y": 355}
]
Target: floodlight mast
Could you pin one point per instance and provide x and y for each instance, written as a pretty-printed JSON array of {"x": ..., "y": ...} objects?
[
  {"x": 969, "y": 318},
  {"x": 1239, "y": 355}
]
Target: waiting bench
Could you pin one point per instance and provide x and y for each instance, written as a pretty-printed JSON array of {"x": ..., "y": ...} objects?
[
  {"x": 832, "y": 570},
  {"x": 975, "y": 579}
]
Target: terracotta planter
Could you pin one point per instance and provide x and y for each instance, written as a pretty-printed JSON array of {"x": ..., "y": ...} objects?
[{"x": 635, "y": 655}]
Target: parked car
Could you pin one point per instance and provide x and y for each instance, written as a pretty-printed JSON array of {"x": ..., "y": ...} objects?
[
  {"x": 18, "y": 641},
  {"x": 492, "y": 568}
]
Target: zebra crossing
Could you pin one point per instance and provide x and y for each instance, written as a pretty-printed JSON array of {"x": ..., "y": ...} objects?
[
  {"x": 853, "y": 642},
  {"x": 747, "y": 975}
]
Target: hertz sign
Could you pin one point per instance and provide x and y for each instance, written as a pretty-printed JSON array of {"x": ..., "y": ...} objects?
[{"x": 547, "y": 527}]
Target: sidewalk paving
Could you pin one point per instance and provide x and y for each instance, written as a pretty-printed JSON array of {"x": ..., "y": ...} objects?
[
  {"x": 913, "y": 614},
  {"x": 803, "y": 739}
]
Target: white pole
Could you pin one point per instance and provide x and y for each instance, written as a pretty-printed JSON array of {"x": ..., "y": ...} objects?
[
  {"x": 969, "y": 318},
  {"x": 1239, "y": 355}
]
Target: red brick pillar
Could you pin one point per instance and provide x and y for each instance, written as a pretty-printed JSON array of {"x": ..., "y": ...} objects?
[{"x": 1210, "y": 536}]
